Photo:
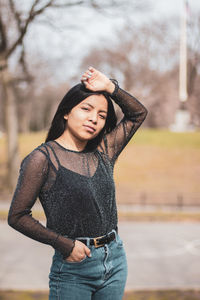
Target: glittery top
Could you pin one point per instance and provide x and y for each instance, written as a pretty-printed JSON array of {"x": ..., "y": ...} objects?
[{"x": 76, "y": 189}]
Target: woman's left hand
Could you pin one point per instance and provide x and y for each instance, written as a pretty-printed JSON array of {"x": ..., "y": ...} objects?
[{"x": 97, "y": 81}]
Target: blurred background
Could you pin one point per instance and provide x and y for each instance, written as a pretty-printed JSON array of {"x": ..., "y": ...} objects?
[{"x": 153, "y": 49}]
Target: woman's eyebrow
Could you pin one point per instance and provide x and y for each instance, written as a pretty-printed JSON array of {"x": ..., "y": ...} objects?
[{"x": 93, "y": 107}]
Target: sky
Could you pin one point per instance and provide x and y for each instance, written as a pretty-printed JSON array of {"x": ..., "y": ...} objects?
[
  {"x": 173, "y": 7},
  {"x": 51, "y": 45}
]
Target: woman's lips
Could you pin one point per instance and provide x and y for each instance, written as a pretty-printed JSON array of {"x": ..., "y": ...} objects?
[{"x": 90, "y": 129}]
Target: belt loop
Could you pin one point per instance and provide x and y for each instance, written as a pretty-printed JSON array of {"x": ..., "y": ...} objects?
[
  {"x": 115, "y": 233},
  {"x": 88, "y": 242}
]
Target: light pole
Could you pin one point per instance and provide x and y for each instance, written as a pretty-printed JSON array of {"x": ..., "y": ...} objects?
[
  {"x": 182, "y": 117},
  {"x": 183, "y": 95}
]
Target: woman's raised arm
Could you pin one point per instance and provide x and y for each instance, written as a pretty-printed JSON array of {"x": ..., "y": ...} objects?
[
  {"x": 134, "y": 115},
  {"x": 134, "y": 111}
]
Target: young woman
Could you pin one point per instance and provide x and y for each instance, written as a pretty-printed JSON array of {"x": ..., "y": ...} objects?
[{"x": 72, "y": 174}]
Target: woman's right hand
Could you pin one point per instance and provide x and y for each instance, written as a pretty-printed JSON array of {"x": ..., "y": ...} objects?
[
  {"x": 94, "y": 81},
  {"x": 79, "y": 252}
]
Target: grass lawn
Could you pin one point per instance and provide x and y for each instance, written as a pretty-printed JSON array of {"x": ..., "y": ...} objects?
[
  {"x": 158, "y": 165},
  {"x": 138, "y": 295}
]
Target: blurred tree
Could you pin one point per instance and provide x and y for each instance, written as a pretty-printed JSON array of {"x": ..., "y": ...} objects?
[
  {"x": 194, "y": 67},
  {"x": 145, "y": 60},
  {"x": 15, "y": 20},
  {"x": 138, "y": 60}
]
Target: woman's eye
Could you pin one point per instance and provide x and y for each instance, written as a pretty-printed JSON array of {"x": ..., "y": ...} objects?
[
  {"x": 85, "y": 108},
  {"x": 103, "y": 117}
]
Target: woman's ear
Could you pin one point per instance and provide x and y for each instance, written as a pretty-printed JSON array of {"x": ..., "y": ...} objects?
[{"x": 66, "y": 116}]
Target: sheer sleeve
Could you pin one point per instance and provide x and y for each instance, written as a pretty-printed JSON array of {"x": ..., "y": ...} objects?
[
  {"x": 32, "y": 176},
  {"x": 134, "y": 115}
]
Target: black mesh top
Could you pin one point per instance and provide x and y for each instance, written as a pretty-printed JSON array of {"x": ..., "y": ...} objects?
[{"x": 76, "y": 189}]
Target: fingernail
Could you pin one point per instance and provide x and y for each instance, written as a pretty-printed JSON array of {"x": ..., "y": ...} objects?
[{"x": 90, "y": 255}]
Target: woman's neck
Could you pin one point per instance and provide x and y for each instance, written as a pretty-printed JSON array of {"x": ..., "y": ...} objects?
[{"x": 70, "y": 143}]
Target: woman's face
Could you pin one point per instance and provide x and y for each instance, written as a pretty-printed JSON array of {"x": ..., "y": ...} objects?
[{"x": 87, "y": 119}]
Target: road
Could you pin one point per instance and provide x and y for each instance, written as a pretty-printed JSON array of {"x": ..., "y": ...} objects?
[{"x": 160, "y": 256}]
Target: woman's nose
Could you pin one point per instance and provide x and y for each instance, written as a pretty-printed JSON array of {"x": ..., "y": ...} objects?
[{"x": 93, "y": 118}]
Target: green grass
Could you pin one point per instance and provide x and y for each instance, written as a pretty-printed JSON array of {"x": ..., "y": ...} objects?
[
  {"x": 149, "y": 137},
  {"x": 137, "y": 295},
  {"x": 159, "y": 163},
  {"x": 166, "y": 138}
]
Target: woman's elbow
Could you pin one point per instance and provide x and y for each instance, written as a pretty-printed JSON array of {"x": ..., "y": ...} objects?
[
  {"x": 12, "y": 220},
  {"x": 144, "y": 113}
]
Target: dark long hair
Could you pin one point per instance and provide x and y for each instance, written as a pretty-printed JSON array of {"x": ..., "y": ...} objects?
[{"x": 74, "y": 96}]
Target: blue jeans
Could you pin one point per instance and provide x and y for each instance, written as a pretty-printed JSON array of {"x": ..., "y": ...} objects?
[{"x": 100, "y": 277}]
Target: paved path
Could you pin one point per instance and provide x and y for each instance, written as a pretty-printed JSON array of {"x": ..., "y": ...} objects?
[{"x": 160, "y": 255}]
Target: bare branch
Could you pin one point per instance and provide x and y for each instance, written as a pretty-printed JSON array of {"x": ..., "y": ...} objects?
[
  {"x": 51, "y": 3},
  {"x": 39, "y": 11},
  {"x": 23, "y": 63},
  {"x": 3, "y": 40},
  {"x": 15, "y": 13},
  {"x": 34, "y": 5},
  {"x": 67, "y": 4},
  {"x": 23, "y": 30}
]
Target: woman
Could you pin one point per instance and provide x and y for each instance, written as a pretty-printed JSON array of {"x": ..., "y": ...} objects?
[{"x": 72, "y": 174}]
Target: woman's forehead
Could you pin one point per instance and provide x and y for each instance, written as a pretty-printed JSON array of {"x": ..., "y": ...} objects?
[{"x": 96, "y": 101}]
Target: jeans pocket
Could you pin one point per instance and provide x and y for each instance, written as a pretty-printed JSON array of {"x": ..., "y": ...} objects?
[{"x": 75, "y": 262}]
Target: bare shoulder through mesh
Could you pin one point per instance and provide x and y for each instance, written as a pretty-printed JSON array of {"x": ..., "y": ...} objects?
[
  {"x": 82, "y": 163},
  {"x": 134, "y": 115}
]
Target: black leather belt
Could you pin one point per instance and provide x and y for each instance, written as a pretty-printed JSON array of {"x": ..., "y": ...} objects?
[{"x": 99, "y": 241}]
